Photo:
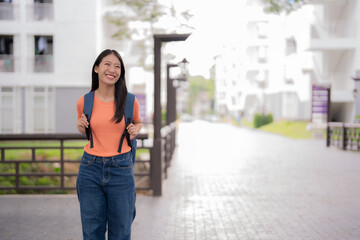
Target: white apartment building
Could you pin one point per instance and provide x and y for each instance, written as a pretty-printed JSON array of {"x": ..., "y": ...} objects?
[
  {"x": 255, "y": 74},
  {"x": 227, "y": 73},
  {"x": 335, "y": 44},
  {"x": 277, "y": 59},
  {"x": 47, "y": 48}
]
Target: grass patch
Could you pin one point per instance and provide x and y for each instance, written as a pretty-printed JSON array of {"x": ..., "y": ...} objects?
[
  {"x": 41, "y": 154},
  {"x": 295, "y": 130}
]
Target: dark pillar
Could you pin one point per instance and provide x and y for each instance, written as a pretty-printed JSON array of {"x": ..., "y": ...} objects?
[
  {"x": 171, "y": 96},
  {"x": 156, "y": 158}
]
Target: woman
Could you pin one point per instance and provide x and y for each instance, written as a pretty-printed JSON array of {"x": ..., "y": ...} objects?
[{"x": 105, "y": 183}]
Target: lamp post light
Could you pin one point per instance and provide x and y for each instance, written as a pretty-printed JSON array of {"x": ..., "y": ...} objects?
[
  {"x": 156, "y": 158},
  {"x": 172, "y": 84},
  {"x": 184, "y": 70}
]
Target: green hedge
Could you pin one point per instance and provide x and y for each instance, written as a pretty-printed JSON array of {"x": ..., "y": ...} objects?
[{"x": 261, "y": 120}]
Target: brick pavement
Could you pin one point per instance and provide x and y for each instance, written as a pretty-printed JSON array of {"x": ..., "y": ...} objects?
[{"x": 224, "y": 183}]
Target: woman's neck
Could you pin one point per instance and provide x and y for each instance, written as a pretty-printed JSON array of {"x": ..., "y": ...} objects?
[{"x": 106, "y": 94}]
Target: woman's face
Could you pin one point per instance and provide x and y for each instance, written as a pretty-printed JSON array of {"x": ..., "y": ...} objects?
[{"x": 109, "y": 70}]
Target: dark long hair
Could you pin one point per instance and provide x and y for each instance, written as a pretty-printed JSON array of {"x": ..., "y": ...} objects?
[{"x": 120, "y": 85}]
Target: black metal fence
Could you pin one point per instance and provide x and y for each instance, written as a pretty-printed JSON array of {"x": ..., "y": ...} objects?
[
  {"x": 168, "y": 134},
  {"x": 343, "y": 135},
  {"x": 19, "y": 150}
]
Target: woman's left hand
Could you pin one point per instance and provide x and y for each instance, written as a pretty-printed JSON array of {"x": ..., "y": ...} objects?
[{"x": 133, "y": 130}]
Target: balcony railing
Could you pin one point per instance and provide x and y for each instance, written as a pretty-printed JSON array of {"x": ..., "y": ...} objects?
[
  {"x": 41, "y": 12},
  {"x": 6, "y": 63},
  {"x": 6, "y": 11},
  {"x": 333, "y": 29},
  {"x": 44, "y": 63}
]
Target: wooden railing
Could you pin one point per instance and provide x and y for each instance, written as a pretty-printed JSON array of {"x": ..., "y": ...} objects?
[
  {"x": 168, "y": 133},
  {"x": 56, "y": 173},
  {"x": 59, "y": 173}
]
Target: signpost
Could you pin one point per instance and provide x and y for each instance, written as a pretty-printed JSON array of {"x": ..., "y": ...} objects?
[
  {"x": 142, "y": 102},
  {"x": 320, "y": 107}
]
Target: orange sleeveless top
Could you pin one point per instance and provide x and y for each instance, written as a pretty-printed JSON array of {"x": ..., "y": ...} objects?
[{"x": 106, "y": 133}]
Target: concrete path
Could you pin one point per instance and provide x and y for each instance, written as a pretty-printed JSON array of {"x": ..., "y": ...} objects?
[{"x": 224, "y": 183}]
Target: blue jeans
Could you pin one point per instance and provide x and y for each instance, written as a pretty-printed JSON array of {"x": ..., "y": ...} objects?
[{"x": 106, "y": 192}]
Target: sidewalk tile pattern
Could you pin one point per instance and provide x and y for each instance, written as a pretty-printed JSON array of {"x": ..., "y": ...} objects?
[{"x": 224, "y": 183}]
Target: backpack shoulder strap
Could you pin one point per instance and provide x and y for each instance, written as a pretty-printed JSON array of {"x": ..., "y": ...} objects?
[
  {"x": 128, "y": 117},
  {"x": 129, "y": 108},
  {"x": 88, "y": 106}
]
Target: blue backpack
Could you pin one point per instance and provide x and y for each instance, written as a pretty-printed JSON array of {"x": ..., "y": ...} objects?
[{"x": 128, "y": 115}]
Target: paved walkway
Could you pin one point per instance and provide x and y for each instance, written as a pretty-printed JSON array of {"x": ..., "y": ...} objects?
[{"x": 224, "y": 183}]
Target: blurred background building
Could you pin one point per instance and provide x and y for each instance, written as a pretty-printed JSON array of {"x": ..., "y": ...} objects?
[
  {"x": 267, "y": 71},
  {"x": 334, "y": 42},
  {"x": 278, "y": 58},
  {"x": 47, "y": 48}
]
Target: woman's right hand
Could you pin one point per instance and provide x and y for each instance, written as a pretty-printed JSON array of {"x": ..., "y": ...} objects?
[{"x": 82, "y": 123}]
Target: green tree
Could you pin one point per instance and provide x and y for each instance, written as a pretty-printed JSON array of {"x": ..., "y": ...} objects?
[
  {"x": 199, "y": 84},
  {"x": 137, "y": 20},
  {"x": 279, "y": 6}
]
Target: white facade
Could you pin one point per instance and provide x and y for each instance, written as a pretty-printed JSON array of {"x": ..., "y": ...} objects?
[
  {"x": 279, "y": 58},
  {"x": 228, "y": 88},
  {"x": 335, "y": 43},
  {"x": 264, "y": 71},
  {"x": 47, "y": 48}
]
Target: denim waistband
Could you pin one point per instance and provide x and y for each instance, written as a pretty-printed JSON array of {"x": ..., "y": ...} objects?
[{"x": 116, "y": 157}]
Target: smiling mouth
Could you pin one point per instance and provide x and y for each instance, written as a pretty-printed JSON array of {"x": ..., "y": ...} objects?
[{"x": 110, "y": 76}]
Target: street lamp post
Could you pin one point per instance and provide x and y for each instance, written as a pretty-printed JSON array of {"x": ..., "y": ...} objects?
[
  {"x": 171, "y": 89},
  {"x": 170, "y": 96},
  {"x": 171, "y": 99},
  {"x": 356, "y": 93},
  {"x": 156, "y": 158}
]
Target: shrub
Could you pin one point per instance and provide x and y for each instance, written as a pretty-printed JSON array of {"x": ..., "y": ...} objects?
[
  {"x": 261, "y": 120},
  {"x": 44, "y": 181}
]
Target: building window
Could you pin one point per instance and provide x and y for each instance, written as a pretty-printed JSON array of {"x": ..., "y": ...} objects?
[
  {"x": 44, "y": 61},
  {"x": 42, "y": 110},
  {"x": 7, "y": 110},
  {"x": 42, "y": 10},
  {"x": 290, "y": 46},
  {"x": 6, "y": 10},
  {"x": 6, "y": 53},
  {"x": 262, "y": 54},
  {"x": 222, "y": 95},
  {"x": 233, "y": 101},
  {"x": 262, "y": 29}
]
